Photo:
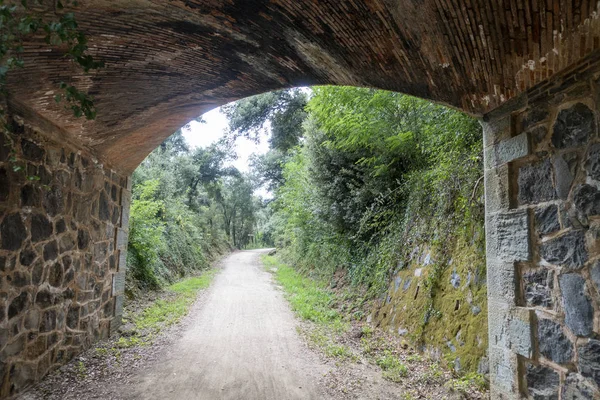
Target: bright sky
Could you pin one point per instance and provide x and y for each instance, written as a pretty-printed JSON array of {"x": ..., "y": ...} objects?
[{"x": 203, "y": 135}]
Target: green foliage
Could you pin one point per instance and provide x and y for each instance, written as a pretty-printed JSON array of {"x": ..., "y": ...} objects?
[
  {"x": 188, "y": 206},
  {"x": 167, "y": 311},
  {"x": 393, "y": 369},
  {"x": 21, "y": 20},
  {"x": 308, "y": 299}
]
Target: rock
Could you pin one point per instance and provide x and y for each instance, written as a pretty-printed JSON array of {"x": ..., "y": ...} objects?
[
  {"x": 67, "y": 243},
  {"x": 397, "y": 282},
  {"x": 589, "y": 360},
  {"x": 18, "y": 304},
  {"x": 576, "y": 387},
  {"x": 32, "y": 151},
  {"x": 103, "y": 208},
  {"x": 546, "y": 220},
  {"x": 535, "y": 183},
  {"x": 20, "y": 279},
  {"x": 579, "y": 314},
  {"x": 127, "y": 329},
  {"x": 73, "y": 317},
  {"x": 573, "y": 126},
  {"x": 4, "y": 185},
  {"x": 538, "y": 134},
  {"x": 595, "y": 275},
  {"x": 13, "y": 232},
  {"x": 50, "y": 251},
  {"x": 455, "y": 280},
  {"x": 564, "y": 177},
  {"x": 542, "y": 382},
  {"x": 41, "y": 228},
  {"x": 567, "y": 250},
  {"x": 510, "y": 239},
  {"x": 587, "y": 200},
  {"x": 53, "y": 201},
  {"x": 30, "y": 196},
  {"x": 406, "y": 284},
  {"x": 533, "y": 117},
  {"x": 48, "y": 321},
  {"x": 483, "y": 367},
  {"x": 475, "y": 310},
  {"x": 83, "y": 239},
  {"x": 538, "y": 287},
  {"x": 60, "y": 226},
  {"x": 26, "y": 257},
  {"x": 55, "y": 275},
  {"x": 553, "y": 343},
  {"x": 44, "y": 299},
  {"x": 592, "y": 164}
]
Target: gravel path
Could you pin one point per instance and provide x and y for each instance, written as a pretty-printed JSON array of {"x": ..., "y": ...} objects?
[{"x": 241, "y": 344}]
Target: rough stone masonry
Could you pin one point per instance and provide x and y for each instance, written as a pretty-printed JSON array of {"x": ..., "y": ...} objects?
[
  {"x": 530, "y": 67},
  {"x": 542, "y": 179},
  {"x": 63, "y": 232}
]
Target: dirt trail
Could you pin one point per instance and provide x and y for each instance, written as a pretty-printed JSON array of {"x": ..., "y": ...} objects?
[{"x": 241, "y": 344}]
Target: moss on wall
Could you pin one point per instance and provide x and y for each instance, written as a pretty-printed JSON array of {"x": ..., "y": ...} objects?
[{"x": 437, "y": 298}]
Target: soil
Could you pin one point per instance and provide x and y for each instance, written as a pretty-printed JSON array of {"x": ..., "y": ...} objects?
[{"x": 239, "y": 341}]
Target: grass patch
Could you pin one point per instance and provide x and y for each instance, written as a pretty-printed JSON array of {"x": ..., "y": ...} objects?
[
  {"x": 393, "y": 369},
  {"x": 308, "y": 299},
  {"x": 468, "y": 383},
  {"x": 168, "y": 311},
  {"x": 312, "y": 302}
]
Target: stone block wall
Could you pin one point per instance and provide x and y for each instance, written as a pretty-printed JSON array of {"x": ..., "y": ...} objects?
[
  {"x": 62, "y": 254},
  {"x": 542, "y": 180}
]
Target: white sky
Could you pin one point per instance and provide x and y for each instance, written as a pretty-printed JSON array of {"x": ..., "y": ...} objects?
[{"x": 203, "y": 135}]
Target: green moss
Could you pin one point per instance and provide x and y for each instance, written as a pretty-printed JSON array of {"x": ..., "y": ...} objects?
[{"x": 435, "y": 314}]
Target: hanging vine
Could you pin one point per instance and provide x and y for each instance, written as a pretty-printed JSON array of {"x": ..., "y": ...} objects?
[{"x": 20, "y": 20}]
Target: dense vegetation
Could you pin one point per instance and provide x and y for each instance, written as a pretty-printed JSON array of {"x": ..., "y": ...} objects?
[
  {"x": 370, "y": 189},
  {"x": 187, "y": 208},
  {"x": 380, "y": 189}
]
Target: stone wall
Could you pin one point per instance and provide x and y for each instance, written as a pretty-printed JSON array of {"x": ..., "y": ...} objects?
[
  {"x": 62, "y": 252},
  {"x": 542, "y": 180}
]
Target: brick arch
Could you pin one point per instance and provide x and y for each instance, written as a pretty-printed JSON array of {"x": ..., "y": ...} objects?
[
  {"x": 520, "y": 65},
  {"x": 170, "y": 61}
]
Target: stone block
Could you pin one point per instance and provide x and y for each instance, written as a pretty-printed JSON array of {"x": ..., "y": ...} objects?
[
  {"x": 512, "y": 149},
  {"x": 537, "y": 288},
  {"x": 118, "y": 284},
  {"x": 579, "y": 314},
  {"x": 589, "y": 360},
  {"x": 553, "y": 343},
  {"x": 503, "y": 372},
  {"x": 576, "y": 387},
  {"x": 494, "y": 130},
  {"x": 535, "y": 183},
  {"x": 586, "y": 199},
  {"x": 592, "y": 163},
  {"x": 508, "y": 236},
  {"x": 501, "y": 281},
  {"x": 568, "y": 250},
  {"x": 519, "y": 332},
  {"x": 546, "y": 220},
  {"x": 497, "y": 189},
  {"x": 12, "y": 232},
  {"x": 573, "y": 127},
  {"x": 564, "y": 176},
  {"x": 542, "y": 382},
  {"x": 122, "y": 238}
]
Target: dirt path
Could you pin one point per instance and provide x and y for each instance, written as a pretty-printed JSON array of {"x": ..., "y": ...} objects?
[{"x": 241, "y": 344}]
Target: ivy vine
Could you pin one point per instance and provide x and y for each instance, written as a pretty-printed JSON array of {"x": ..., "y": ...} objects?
[{"x": 22, "y": 19}]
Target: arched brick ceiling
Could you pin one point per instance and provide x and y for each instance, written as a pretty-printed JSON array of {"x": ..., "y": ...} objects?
[{"x": 168, "y": 61}]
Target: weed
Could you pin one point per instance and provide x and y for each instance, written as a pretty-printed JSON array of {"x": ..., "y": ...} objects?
[
  {"x": 392, "y": 367},
  {"x": 81, "y": 370},
  {"x": 465, "y": 384}
]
